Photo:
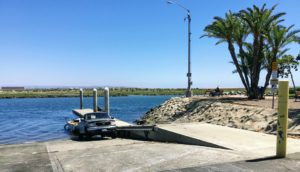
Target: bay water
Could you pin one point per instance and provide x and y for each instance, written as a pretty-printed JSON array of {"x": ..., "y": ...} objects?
[{"x": 42, "y": 119}]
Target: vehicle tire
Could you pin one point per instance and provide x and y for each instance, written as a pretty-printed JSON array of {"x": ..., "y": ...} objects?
[
  {"x": 67, "y": 127},
  {"x": 102, "y": 136},
  {"x": 89, "y": 137},
  {"x": 114, "y": 135},
  {"x": 80, "y": 136}
]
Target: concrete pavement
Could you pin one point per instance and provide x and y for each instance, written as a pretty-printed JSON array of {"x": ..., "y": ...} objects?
[
  {"x": 269, "y": 164},
  {"x": 231, "y": 138},
  {"x": 236, "y": 148},
  {"x": 132, "y": 155},
  {"x": 25, "y": 157},
  {"x": 109, "y": 155}
]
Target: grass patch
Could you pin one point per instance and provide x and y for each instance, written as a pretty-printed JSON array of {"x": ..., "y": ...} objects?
[{"x": 49, "y": 93}]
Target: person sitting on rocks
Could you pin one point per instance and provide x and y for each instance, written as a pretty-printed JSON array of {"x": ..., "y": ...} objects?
[{"x": 217, "y": 90}]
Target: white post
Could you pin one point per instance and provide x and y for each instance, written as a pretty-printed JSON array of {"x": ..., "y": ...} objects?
[
  {"x": 81, "y": 98},
  {"x": 106, "y": 99},
  {"x": 95, "y": 100}
]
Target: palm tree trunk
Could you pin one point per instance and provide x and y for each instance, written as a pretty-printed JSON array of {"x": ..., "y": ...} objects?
[
  {"x": 261, "y": 55},
  {"x": 293, "y": 82},
  {"x": 235, "y": 61},
  {"x": 244, "y": 68},
  {"x": 268, "y": 77},
  {"x": 255, "y": 69}
]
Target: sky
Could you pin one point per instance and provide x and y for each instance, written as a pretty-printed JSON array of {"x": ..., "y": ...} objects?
[{"x": 131, "y": 43}]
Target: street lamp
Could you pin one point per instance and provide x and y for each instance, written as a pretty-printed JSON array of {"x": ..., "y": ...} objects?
[
  {"x": 189, "y": 74},
  {"x": 298, "y": 57}
]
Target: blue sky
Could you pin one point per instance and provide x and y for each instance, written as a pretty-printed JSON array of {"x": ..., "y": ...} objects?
[{"x": 135, "y": 43}]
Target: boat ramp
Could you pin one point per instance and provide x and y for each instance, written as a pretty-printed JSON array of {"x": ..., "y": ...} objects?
[{"x": 174, "y": 146}]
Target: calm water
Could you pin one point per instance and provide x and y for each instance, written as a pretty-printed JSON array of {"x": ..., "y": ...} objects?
[{"x": 41, "y": 119}]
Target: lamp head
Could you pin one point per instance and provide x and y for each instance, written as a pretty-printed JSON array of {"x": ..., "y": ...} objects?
[
  {"x": 298, "y": 57},
  {"x": 170, "y": 2}
]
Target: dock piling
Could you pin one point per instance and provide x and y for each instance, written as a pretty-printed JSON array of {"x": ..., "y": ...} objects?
[
  {"x": 81, "y": 98},
  {"x": 95, "y": 100},
  {"x": 106, "y": 99}
]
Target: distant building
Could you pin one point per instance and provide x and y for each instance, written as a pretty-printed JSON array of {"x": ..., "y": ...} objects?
[{"x": 12, "y": 88}]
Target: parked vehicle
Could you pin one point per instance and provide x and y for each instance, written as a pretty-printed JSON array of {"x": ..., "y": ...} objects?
[{"x": 95, "y": 123}]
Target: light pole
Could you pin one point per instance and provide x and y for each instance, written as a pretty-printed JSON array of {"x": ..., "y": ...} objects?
[{"x": 189, "y": 74}]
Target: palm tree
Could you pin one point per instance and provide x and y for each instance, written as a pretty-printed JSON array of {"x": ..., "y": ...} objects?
[
  {"x": 269, "y": 40},
  {"x": 223, "y": 29},
  {"x": 286, "y": 64},
  {"x": 259, "y": 21},
  {"x": 278, "y": 38}
]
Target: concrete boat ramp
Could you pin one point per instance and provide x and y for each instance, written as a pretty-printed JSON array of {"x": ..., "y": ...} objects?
[
  {"x": 215, "y": 136},
  {"x": 203, "y": 147},
  {"x": 201, "y": 134}
]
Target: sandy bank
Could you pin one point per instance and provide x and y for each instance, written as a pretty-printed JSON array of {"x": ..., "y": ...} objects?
[{"x": 236, "y": 112}]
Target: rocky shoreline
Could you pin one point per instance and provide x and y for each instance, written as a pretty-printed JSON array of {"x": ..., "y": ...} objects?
[{"x": 233, "y": 112}]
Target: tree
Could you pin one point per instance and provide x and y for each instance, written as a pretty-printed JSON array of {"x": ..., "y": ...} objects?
[
  {"x": 223, "y": 29},
  {"x": 286, "y": 64},
  {"x": 278, "y": 38},
  {"x": 259, "y": 38}
]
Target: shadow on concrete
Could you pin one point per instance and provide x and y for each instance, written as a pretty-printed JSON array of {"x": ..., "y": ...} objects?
[
  {"x": 166, "y": 136},
  {"x": 271, "y": 164},
  {"x": 88, "y": 139},
  {"x": 263, "y": 159}
]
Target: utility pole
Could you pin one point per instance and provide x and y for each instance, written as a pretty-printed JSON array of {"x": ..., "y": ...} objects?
[{"x": 189, "y": 74}]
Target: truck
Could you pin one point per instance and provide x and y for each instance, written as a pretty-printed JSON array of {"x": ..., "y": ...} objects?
[{"x": 91, "y": 124}]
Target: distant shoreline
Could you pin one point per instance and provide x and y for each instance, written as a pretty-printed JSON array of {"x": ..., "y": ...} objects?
[{"x": 60, "y": 93}]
